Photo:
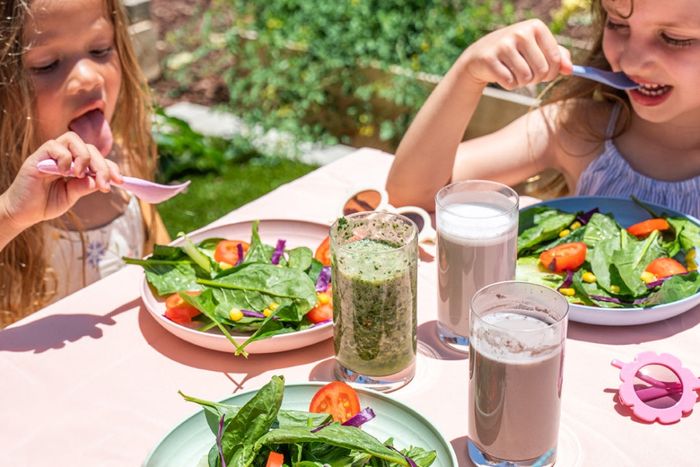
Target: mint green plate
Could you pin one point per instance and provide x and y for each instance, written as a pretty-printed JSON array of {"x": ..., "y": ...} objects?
[{"x": 188, "y": 444}]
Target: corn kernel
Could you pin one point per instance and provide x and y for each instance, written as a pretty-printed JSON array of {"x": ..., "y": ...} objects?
[
  {"x": 692, "y": 253},
  {"x": 588, "y": 277},
  {"x": 235, "y": 314},
  {"x": 224, "y": 265},
  {"x": 273, "y": 306},
  {"x": 323, "y": 298},
  {"x": 568, "y": 291},
  {"x": 647, "y": 277},
  {"x": 564, "y": 233},
  {"x": 575, "y": 225},
  {"x": 615, "y": 289},
  {"x": 267, "y": 312}
]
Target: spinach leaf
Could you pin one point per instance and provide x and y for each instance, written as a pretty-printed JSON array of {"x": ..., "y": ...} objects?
[
  {"x": 168, "y": 277},
  {"x": 675, "y": 288},
  {"x": 271, "y": 280},
  {"x": 547, "y": 226},
  {"x": 335, "y": 435},
  {"x": 631, "y": 259},
  {"x": 528, "y": 269},
  {"x": 253, "y": 421},
  {"x": 299, "y": 258},
  {"x": 599, "y": 228},
  {"x": 258, "y": 251},
  {"x": 599, "y": 258}
]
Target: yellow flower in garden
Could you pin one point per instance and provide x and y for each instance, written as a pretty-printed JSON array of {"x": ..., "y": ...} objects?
[
  {"x": 274, "y": 23},
  {"x": 366, "y": 130}
]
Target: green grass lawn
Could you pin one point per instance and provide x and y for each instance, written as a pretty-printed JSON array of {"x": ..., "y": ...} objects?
[{"x": 210, "y": 196}]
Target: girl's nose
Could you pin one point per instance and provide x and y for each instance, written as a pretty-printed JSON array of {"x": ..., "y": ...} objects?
[
  {"x": 636, "y": 56},
  {"x": 85, "y": 77}
]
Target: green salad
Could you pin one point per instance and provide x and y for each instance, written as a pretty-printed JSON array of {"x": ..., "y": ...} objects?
[
  {"x": 593, "y": 260},
  {"x": 240, "y": 287},
  {"x": 260, "y": 433}
]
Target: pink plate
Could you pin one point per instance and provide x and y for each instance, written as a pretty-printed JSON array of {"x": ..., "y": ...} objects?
[{"x": 296, "y": 233}]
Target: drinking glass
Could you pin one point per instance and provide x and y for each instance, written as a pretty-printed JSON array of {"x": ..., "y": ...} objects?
[
  {"x": 516, "y": 347},
  {"x": 374, "y": 257},
  {"x": 477, "y": 230}
]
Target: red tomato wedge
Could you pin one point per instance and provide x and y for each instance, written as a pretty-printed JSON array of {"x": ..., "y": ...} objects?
[
  {"x": 227, "y": 251},
  {"x": 323, "y": 252},
  {"x": 642, "y": 229},
  {"x": 178, "y": 310},
  {"x": 322, "y": 311},
  {"x": 275, "y": 459},
  {"x": 567, "y": 256},
  {"x": 664, "y": 267},
  {"x": 338, "y": 399}
]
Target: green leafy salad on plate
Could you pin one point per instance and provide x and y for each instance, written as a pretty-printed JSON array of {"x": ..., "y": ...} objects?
[
  {"x": 262, "y": 433},
  {"x": 241, "y": 288},
  {"x": 594, "y": 261}
]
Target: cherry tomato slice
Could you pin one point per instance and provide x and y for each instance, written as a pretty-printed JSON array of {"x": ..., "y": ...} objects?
[
  {"x": 227, "y": 251},
  {"x": 337, "y": 399},
  {"x": 642, "y": 229},
  {"x": 664, "y": 267},
  {"x": 180, "y": 311},
  {"x": 275, "y": 459},
  {"x": 567, "y": 256},
  {"x": 323, "y": 252},
  {"x": 322, "y": 311}
]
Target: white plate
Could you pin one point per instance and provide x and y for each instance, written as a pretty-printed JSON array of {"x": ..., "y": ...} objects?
[
  {"x": 296, "y": 233},
  {"x": 189, "y": 442},
  {"x": 626, "y": 212}
]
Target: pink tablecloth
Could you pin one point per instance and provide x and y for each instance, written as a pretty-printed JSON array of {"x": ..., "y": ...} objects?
[{"x": 93, "y": 379}]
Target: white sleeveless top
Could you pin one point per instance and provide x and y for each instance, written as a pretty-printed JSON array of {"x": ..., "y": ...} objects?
[
  {"x": 79, "y": 262},
  {"x": 611, "y": 175}
]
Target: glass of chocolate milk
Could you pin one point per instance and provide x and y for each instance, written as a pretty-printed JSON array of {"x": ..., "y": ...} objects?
[
  {"x": 516, "y": 357},
  {"x": 477, "y": 231},
  {"x": 374, "y": 259}
]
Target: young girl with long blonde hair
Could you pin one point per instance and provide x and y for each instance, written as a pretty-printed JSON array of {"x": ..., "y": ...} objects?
[
  {"x": 70, "y": 90},
  {"x": 642, "y": 142}
]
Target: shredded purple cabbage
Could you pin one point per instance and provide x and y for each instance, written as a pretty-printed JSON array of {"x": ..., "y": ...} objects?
[
  {"x": 360, "y": 418},
  {"x": 603, "y": 298},
  {"x": 586, "y": 216},
  {"x": 408, "y": 459},
  {"x": 252, "y": 314},
  {"x": 279, "y": 250},
  {"x": 321, "y": 427},
  {"x": 239, "y": 249},
  {"x": 568, "y": 280},
  {"x": 324, "y": 278},
  {"x": 659, "y": 282},
  {"x": 219, "y": 436}
]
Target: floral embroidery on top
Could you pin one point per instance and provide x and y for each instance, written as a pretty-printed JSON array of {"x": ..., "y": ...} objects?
[{"x": 95, "y": 252}]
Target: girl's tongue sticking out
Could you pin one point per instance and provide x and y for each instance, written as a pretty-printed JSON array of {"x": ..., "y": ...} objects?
[{"x": 94, "y": 129}]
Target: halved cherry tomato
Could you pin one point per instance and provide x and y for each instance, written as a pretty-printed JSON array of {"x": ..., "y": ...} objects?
[
  {"x": 337, "y": 399},
  {"x": 322, "y": 311},
  {"x": 323, "y": 252},
  {"x": 642, "y": 229},
  {"x": 664, "y": 267},
  {"x": 275, "y": 459},
  {"x": 567, "y": 256},
  {"x": 227, "y": 251},
  {"x": 180, "y": 311}
]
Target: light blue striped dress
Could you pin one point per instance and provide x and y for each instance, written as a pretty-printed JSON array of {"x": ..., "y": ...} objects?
[{"x": 610, "y": 175}]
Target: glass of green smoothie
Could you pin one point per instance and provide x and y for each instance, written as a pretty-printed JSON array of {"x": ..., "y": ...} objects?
[{"x": 374, "y": 265}]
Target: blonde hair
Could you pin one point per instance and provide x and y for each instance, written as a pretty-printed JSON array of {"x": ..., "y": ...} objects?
[
  {"x": 576, "y": 92},
  {"x": 24, "y": 275}
]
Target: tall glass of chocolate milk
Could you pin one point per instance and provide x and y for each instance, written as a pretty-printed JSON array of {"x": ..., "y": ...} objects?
[
  {"x": 516, "y": 347},
  {"x": 477, "y": 229}
]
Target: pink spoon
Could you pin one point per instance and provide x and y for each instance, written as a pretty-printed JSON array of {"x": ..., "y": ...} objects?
[{"x": 152, "y": 193}]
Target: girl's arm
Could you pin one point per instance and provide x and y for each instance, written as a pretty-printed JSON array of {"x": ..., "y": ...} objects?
[{"x": 430, "y": 154}]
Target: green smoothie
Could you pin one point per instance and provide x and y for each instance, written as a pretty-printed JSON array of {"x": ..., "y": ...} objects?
[{"x": 374, "y": 301}]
